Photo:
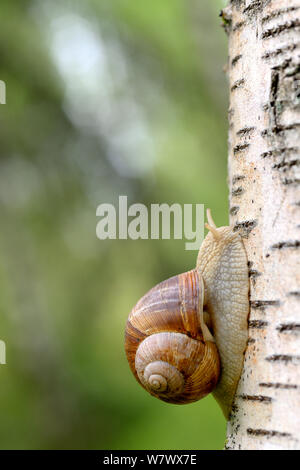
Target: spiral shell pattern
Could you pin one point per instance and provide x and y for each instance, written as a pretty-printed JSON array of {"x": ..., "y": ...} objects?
[{"x": 164, "y": 341}]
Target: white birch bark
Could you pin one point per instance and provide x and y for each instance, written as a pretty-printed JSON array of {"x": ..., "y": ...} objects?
[{"x": 264, "y": 178}]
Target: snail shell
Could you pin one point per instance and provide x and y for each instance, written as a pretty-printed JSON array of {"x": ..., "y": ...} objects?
[{"x": 168, "y": 345}]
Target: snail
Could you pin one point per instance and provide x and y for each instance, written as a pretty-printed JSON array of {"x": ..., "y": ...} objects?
[{"x": 187, "y": 336}]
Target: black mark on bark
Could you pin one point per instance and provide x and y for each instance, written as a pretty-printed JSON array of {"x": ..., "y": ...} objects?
[
  {"x": 279, "y": 128},
  {"x": 254, "y": 274},
  {"x": 258, "y": 324},
  {"x": 236, "y": 59},
  {"x": 291, "y": 181},
  {"x": 251, "y": 341},
  {"x": 295, "y": 293},
  {"x": 238, "y": 191},
  {"x": 254, "y": 7},
  {"x": 238, "y": 26},
  {"x": 265, "y": 432},
  {"x": 286, "y": 244},
  {"x": 279, "y": 151},
  {"x": 277, "y": 385},
  {"x": 279, "y": 50},
  {"x": 234, "y": 210},
  {"x": 245, "y": 131},
  {"x": 237, "y": 178},
  {"x": 240, "y": 148},
  {"x": 284, "y": 165},
  {"x": 260, "y": 398},
  {"x": 238, "y": 84},
  {"x": 246, "y": 226},
  {"x": 273, "y": 97},
  {"x": 261, "y": 304},
  {"x": 277, "y": 13},
  {"x": 281, "y": 28},
  {"x": 286, "y": 358},
  {"x": 288, "y": 327}
]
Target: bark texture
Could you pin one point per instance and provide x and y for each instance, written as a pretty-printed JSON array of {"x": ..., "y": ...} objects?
[{"x": 264, "y": 178}]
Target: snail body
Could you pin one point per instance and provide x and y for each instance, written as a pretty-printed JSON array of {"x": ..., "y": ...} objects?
[{"x": 187, "y": 336}]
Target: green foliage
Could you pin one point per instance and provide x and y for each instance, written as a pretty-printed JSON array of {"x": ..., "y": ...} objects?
[{"x": 140, "y": 110}]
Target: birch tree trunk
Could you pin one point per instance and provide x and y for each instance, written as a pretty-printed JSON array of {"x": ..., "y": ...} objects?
[{"x": 264, "y": 177}]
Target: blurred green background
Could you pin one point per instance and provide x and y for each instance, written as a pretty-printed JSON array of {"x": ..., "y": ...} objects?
[{"x": 104, "y": 98}]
